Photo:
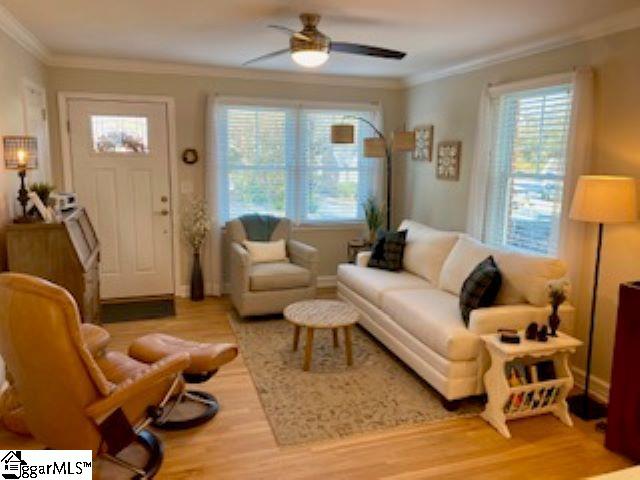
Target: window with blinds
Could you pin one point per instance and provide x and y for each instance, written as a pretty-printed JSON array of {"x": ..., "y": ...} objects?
[
  {"x": 280, "y": 161},
  {"x": 528, "y": 164}
]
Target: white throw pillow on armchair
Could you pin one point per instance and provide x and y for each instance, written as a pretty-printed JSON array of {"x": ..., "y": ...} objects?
[{"x": 263, "y": 252}]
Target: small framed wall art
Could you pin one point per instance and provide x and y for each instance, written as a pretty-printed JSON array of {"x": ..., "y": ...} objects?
[
  {"x": 448, "y": 163},
  {"x": 424, "y": 143}
]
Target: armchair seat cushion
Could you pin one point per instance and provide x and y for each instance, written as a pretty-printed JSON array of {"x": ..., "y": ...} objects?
[{"x": 278, "y": 276}]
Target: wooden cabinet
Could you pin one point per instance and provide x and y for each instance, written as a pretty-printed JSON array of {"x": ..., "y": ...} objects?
[{"x": 65, "y": 253}]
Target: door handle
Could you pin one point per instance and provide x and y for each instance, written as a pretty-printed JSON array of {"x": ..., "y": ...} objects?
[{"x": 164, "y": 212}]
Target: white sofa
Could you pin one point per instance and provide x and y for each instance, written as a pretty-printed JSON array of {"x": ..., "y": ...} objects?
[{"x": 416, "y": 313}]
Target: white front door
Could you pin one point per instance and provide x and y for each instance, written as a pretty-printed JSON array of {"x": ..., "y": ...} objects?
[{"x": 120, "y": 171}]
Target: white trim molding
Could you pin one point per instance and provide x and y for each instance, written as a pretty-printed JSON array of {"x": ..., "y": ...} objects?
[
  {"x": 174, "y": 68},
  {"x": 18, "y": 32},
  {"x": 324, "y": 281},
  {"x": 67, "y": 179},
  {"x": 598, "y": 388}
]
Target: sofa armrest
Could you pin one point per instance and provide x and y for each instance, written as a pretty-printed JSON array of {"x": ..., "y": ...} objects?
[
  {"x": 240, "y": 264},
  {"x": 488, "y": 320},
  {"x": 362, "y": 259}
]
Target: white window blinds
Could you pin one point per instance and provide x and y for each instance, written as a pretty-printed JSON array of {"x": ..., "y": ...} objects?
[
  {"x": 527, "y": 170},
  {"x": 280, "y": 160}
]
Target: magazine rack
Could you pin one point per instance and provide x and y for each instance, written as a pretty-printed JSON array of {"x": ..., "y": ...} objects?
[{"x": 513, "y": 386}]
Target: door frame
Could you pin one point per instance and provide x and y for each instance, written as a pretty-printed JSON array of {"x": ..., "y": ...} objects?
[{"x": 67, "y": 168}]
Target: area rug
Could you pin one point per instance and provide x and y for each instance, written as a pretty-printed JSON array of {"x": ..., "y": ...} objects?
[{"x": 333, "y": 400}]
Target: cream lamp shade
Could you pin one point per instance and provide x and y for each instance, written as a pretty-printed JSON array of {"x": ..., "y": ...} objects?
[
  {"x": 374, "y": 147},
  {"x": 605, "y": 199},
  {"x": 404, "y": 141},
  {"x": 342, "y": 133}
]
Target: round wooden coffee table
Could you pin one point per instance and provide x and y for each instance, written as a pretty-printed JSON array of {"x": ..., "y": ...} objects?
[{"x": 327, "y": 314}]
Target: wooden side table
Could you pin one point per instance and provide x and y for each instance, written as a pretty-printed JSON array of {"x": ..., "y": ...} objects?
[
  {"x": 507, "y": 402},
  {"x": 326, "y": 314}
]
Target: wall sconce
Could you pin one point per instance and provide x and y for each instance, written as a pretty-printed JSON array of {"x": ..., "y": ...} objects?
[{"x": 21, "y": 153}]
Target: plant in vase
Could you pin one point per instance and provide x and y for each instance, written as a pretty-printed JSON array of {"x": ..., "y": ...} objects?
[
  {"x": 374, "y": 216},
  {"x": 558, "y": 291},
  {"x": 195, "y": 227}
]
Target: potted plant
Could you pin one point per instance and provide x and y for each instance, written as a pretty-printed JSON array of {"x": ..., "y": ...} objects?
[
  {"x": 195, "y": 227},
  {"x": 43, "y": 190},
  {"x": 558, "y": 291},
  {"x": 374, "y": 215}
]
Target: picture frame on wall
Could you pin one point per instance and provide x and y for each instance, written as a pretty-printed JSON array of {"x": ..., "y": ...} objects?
[
  {"x": 448, "y": 162},
  {"x": 424, "y": 143}
]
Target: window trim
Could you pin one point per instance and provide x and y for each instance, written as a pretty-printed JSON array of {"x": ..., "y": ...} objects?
[
  {"x": 494, "y": 93},
  {"x": 374, "y": 107}
]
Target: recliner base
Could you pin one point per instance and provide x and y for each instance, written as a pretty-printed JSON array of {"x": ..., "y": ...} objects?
[{"x": 208, "y": 404}]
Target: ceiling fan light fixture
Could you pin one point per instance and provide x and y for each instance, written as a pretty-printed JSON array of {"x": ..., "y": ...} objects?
[{"x": 310, "y": 58}]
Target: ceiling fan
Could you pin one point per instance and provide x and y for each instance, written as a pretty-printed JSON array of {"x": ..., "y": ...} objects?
[{"x": 310, "y": 47}]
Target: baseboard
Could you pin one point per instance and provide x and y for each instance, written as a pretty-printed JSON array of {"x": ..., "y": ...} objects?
[
  {"x": 184, "y": 290},
  {"x": 327, "y": 281},
  {"x": 598, "y": 388},
  {"x": 324, "y": 281}
]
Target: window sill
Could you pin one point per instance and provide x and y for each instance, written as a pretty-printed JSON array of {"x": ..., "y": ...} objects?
[{"x": 328, "y": 226}]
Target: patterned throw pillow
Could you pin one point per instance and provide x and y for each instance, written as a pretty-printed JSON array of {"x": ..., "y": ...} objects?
[
  {"x": 481, "y": 288},
  {"x": 388, "y": 250}
]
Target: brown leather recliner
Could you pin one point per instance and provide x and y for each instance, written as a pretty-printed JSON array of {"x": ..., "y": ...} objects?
[{"x": 68, "y": 400}]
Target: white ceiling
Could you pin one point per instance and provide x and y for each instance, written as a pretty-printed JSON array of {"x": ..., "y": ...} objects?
[{"x": 437, "y": 34}]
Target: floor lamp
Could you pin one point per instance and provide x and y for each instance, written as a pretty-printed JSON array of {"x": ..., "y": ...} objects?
[
  {"x": 600, "y": 200},
  {"x": 376, "y": 147}
]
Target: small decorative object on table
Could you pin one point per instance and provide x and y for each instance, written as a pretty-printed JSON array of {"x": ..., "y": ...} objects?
[
  {"x": 42, "y": 190},
  {"x": 514, "y": 393},
  {"x": 508, "y": 335},
  {"x": 557, "y": 295},
  {"x": 195, "y": 227},
  {"x": 374, "y": 215},
  {"x": 448, "y": 166},
  {"x": 532, "y": 331},
  {"x": 424, "y": 143}
]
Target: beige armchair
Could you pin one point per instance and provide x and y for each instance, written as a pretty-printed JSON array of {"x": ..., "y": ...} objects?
[{"x": 267, "y": 288}]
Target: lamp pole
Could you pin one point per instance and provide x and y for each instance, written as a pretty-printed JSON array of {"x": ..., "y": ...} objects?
[{"x": 388, "y": 153}]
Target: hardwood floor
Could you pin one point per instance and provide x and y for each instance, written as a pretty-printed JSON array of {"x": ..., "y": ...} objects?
[{"x": 239, "y": 444}]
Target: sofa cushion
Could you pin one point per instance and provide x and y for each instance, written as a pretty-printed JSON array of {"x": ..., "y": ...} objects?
[
  {"x": 277, "y": 276},
  {"x": 426, "y": 249},
  {"x": 433, "y": 317},
  {"x": 524, "y": 277},
  {"x": 371, "y": 283},
  {"x": 266, "y": 251},
  {"x": 480, "y": 289},
  {"x": 388, "y": 250}
]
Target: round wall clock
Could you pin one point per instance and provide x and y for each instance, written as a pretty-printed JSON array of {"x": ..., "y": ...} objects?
[{"x": 190, "y": 156}]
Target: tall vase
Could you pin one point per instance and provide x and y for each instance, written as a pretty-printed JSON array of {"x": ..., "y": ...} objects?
[
  {"x": 554, "y": 320},
  {"x": 197, "y": 282}
]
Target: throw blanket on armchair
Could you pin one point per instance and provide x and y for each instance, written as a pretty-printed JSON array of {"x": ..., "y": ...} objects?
[{"x": 259, "y": 227}]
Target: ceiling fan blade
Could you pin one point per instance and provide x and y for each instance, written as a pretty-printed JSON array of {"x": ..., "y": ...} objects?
[
  {"x": 290, "y": 31},
  {"x": 357, "y": 49},
  {"x": 266, "y": 57}
]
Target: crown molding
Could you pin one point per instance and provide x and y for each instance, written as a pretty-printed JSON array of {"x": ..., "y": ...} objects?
[
  {"x": 150, "y": 67},
  {"x": 606, "y": 26},
  {"x": 27, "y": 40}
]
